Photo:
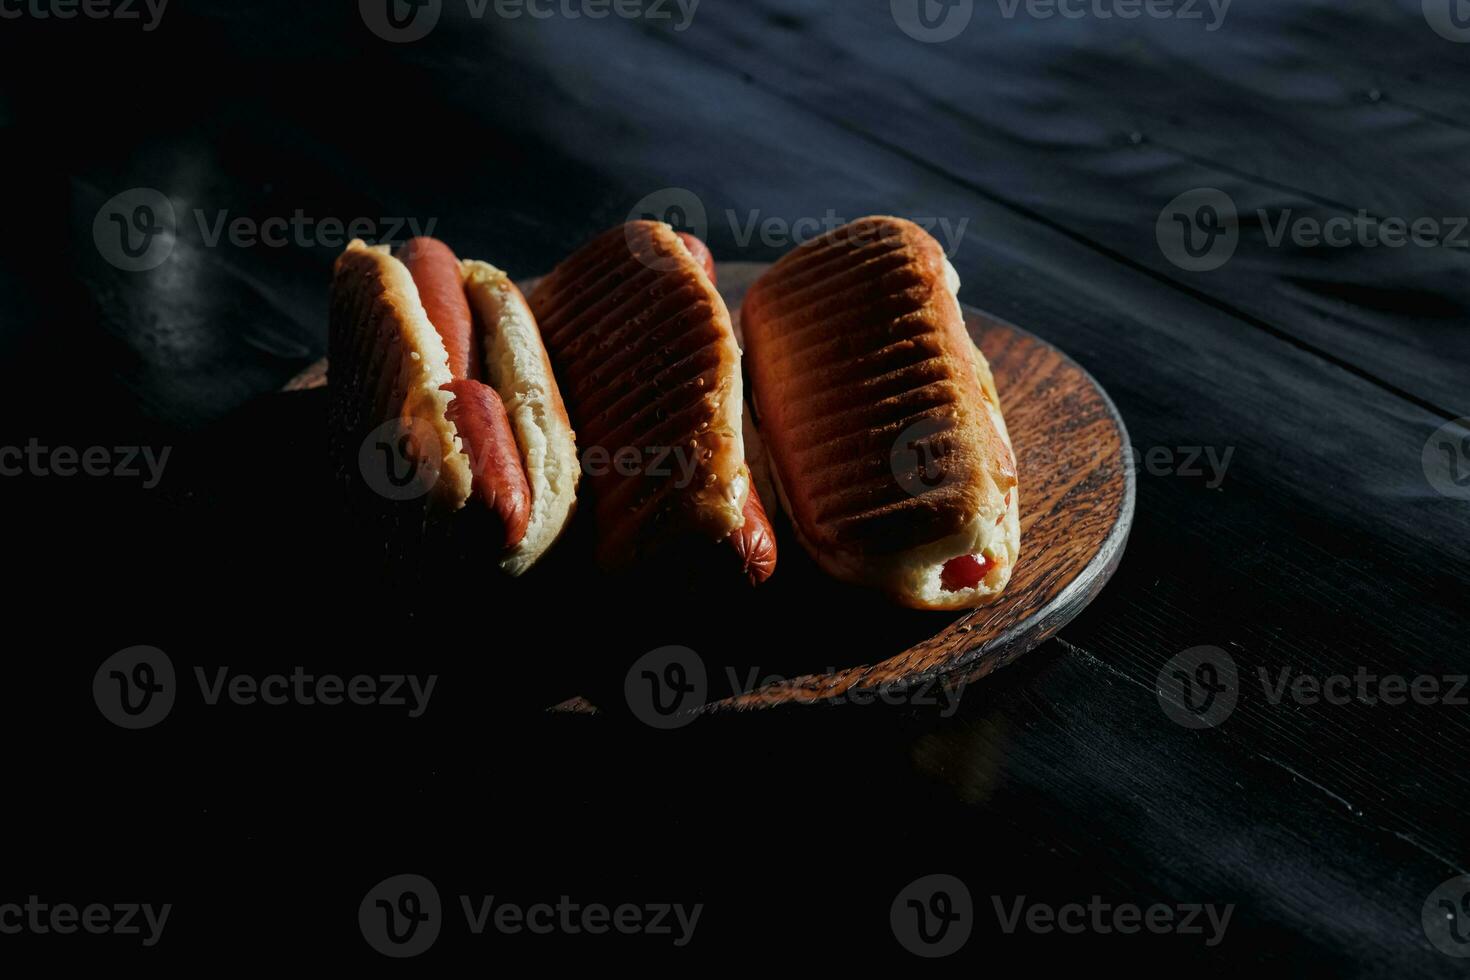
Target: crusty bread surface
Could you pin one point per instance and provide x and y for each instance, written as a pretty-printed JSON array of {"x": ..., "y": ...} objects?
[
  {"x": 387, "y": 361},
  {"x": 643, "y": 346},
  {"x": 889, "y": 450}
]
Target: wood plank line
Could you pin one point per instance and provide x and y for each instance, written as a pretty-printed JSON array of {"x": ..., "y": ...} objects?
[
  {"x": 1101, "y": 248},
  {"x": 893, "y": 100}
]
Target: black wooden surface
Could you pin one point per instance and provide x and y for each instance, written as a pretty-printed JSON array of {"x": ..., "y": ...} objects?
[{"x": 1324, "y": 550}]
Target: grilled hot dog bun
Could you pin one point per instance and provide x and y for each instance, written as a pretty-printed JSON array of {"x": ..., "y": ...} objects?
[
  {"x": 643, "y": 345},
  {"x": 887, "y": 444},
  {"x": 388, "y": 361}
]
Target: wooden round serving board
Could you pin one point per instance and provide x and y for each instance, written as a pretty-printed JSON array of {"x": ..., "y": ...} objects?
[{"x": 802, "y": 638}]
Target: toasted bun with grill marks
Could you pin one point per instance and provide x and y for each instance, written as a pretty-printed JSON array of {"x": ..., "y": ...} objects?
[
  {"x": 888, "y": 447},
  {"x": 643, "y": 345},
  {"x": 387, "y": 361}
]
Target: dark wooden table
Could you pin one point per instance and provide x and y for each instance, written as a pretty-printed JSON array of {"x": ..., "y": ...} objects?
[{"x": 1296, "y": 510}]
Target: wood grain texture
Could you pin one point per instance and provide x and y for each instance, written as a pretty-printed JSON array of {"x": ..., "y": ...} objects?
[{"x": 1130, "y": 118}]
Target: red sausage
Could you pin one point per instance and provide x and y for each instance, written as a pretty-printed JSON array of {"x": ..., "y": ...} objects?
[
  {"x": 965, "y": 572},
  {"x": 701, "y": 253},
  {"x": 479, "y": 415},
  {"x": 435, "y": 271},
  {"x": 755, "y": 542},
  {"x": 476, "y": 409}
]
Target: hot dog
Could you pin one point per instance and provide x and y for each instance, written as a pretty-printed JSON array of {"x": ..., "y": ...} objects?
[
  {"x": 451, "y": 352},
  {"x": 899, "y": 475},
  {"x": 645, "y": 346},
  {"x": 476, "y": 411}
]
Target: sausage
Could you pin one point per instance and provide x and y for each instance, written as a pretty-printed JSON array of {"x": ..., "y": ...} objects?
[
  {"x": 435, "y": 271},
  {"x": 499, "y": 481},
  {"x": 965, "y": 572},
  {"x": 701, "y": 253},
  {"x": 476, "y": 410},
  {"x": 755, "y": 542}
]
